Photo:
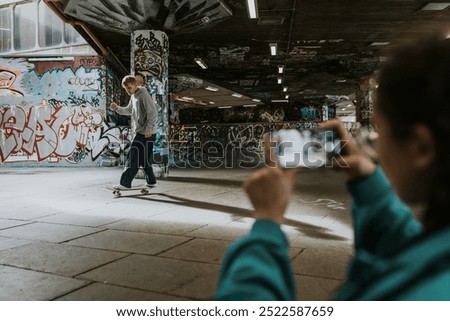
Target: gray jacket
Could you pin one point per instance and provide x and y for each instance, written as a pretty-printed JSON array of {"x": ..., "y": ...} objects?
[{"x": 142, "y": 110}]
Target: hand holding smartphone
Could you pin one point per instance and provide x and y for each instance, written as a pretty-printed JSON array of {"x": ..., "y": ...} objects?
[{"x": 306, "y": 148}]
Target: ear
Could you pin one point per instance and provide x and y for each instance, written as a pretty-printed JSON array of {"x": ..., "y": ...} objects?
[{"x": 422, "y": 147}]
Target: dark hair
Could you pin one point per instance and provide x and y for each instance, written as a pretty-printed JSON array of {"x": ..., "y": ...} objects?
[{"x": 413, "y": 88}]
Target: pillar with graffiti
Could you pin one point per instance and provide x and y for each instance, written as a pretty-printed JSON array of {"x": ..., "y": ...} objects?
[
  {"x": 365, "y": 100},
  {"x": 150, "y": 58}
]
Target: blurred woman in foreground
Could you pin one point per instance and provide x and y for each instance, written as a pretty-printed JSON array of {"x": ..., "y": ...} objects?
[{"x": 397, "y": 256}]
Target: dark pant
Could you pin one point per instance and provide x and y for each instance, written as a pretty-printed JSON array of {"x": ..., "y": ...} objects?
[{"x": 140, "y": 155}]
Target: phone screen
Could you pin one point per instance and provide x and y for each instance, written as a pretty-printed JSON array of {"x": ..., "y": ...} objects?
[{"x": 306, "y": 148}]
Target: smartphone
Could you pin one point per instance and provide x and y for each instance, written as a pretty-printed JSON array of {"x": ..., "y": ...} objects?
[{"x": 306, "y": 148}]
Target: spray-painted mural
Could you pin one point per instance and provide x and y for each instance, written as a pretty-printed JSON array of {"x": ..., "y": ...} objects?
[
  {"x": 218, "y": 145},
  {"x": 185, "y": 114},
  {"x": 365, "y": 99},
  {"x": 53, "y": 112}
]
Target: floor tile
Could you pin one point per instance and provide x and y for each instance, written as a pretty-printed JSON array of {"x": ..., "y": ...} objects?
[
  {"x": 9, "y": 243},
  {"x": 5, "y": 223},
  {"x": 227, "y": 232},
  {"x": 201, "y": 288},
  {"x": 150, "y": 273},
  {"x": 107, "y": 292},
  {"x": 58, "y": 259},
  {"x": 47, "y": 232},
  {"x": 130, "y": 242},
  {"x": 80, "y": 219},
  {"x": 20, "y": 285},
  {"x": 200, "y": 250},
  {"x": 150, "y": 225}
]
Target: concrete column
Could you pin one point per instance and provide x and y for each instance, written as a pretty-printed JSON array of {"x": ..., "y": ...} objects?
[
  {"x": 150, "y": 57},
  {"x": 364, "y": 103}
]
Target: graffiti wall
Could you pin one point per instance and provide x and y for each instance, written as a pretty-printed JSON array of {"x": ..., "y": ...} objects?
[
  {"x": 53, "y": 112},
  {"x": 185, "y": 114},
  {"x": 234, "y": 137},
  {"x": 219, "y": 145}
]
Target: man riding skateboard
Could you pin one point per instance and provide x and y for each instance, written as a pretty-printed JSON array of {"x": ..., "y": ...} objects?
[{"x": 143, "y": 114}]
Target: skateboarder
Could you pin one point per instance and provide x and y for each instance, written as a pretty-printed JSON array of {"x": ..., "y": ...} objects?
[{"x": 143, "y": 128}]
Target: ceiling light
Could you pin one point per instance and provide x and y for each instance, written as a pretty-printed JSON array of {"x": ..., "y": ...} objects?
[
  {"x": 256, "y": 100},
  {"x": 200, "y": 62},
  {"x": 211, "y": 88},
  {"x": 279, "y": 80},
  {"x": 287, "y": 96},
  {"x": 249, "y": 105},
  {"x": 271, "y": 21},
  {"x": 273, "y": 49},
  {"x": 285, "y": 88},
  {"x": 252, "y": 9},
  {"x": 280, "y": 69},
  {"x": 223, "y": 107},
  {"x": 279, "y": 100},
  {"x": 236, "y": 95},
  {"x": 51, "y": 59},
  {"x": 379, "y": 43},
  {"x": 341, "y": 80},
  {"x": 436, "y": 6},
  {"x": 211, "y": 102}
]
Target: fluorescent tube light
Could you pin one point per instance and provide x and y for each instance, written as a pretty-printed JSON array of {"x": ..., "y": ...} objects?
[
  {"x": 273, "y": 49},
  {"x": 223, "y": 107},
  {"x": 379, "y": 43},
  {"x": 256, "y": 100},
  {"x": 280, "y": 69},
  {"x": 249, "y": 105},
  {"x": 236, "y": 95},
  {"x": 436, "y": 6},
  {"x": 252, "y": 9},
  {"x": 200, "y": 62},
  {"x": 279, "y": 100},
  {"x": 210, "y": 88},
  {"x": 280, "y": 80},
  {"x": 51, "y": 59}
]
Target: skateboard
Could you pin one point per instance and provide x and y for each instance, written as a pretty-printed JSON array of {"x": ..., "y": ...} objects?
[{"x": 118, "y": 192}]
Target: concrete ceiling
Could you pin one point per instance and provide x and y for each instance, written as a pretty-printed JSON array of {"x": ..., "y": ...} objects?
[{"x": 326, "y": 47}]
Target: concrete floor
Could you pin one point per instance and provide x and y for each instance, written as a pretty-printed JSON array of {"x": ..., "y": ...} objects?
[{"x": 63, "y": 236}]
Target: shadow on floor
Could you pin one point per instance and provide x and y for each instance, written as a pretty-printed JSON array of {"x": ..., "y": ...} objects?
[
  {"x": 305, "y": 228},
  {"x": 209, "y": 181}
]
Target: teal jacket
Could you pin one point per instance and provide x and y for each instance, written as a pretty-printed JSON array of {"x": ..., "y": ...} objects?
[{"x": 394, "y": 259}]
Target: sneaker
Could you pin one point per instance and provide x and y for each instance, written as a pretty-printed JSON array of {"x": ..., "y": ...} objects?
[
  {"x": 120, "y": 187},
  {"x": 151, "y": 185}
]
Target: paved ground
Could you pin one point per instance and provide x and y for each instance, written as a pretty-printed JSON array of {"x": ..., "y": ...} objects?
[{"x": 63, "y": 236}]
